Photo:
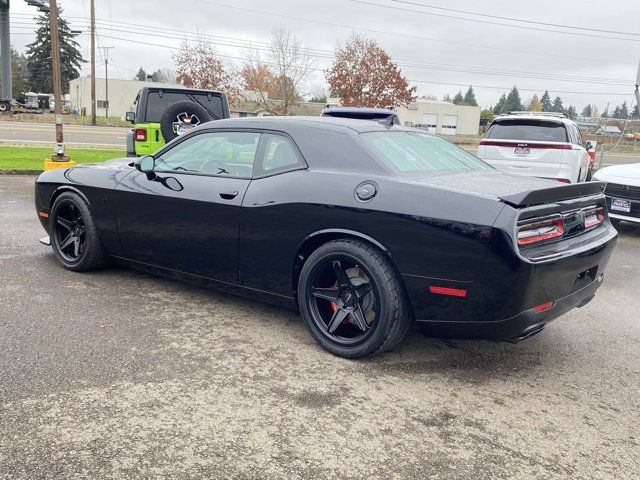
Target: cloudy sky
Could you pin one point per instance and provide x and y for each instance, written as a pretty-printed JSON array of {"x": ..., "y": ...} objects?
[{"x": 439, "y": 49}]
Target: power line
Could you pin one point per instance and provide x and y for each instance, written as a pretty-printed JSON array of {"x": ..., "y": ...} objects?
[
  {"x": 442, "y": 15},
  {"x": 239, "y": 43},
  {"x": 574, "y": 27}
]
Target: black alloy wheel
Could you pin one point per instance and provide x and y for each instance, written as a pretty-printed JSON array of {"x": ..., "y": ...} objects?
[
  {"x": 74, "y": 235},
  {"x": 352, "y": 299},
  {"x": 344, "y": 303},
  {"x": 69, "y": 233}
]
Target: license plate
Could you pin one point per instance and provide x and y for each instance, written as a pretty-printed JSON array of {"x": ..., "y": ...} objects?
[
  {"x": 621, "y": 205},
  {"x": 522, "y": 151}
]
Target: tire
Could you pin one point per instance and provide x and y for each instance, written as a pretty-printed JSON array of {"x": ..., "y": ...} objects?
[
  {"x": 5, "y": 107},
  {"x": 371, "y": 287},
  {"x": 71, "y": 221},
  {"x": 171, "y": 114}
]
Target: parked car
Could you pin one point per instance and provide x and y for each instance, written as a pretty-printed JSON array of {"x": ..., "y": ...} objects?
[
  {"x": 362, "y": 113},
  {"x": 163, "y": 114},
  {"x": 536, "y": 144},
  {"x": 622, "y": 191},
  {"x": 363, "y": 226}
]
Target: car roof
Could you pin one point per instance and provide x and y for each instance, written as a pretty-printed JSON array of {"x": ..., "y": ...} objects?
[
  {"x": 533, "y": 116},
  {"x": 374, "y": 111},
  {"x": 345, "y": 125}
]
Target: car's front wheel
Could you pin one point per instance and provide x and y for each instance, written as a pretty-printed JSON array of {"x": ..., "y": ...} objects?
[
  {"x": 74, "y": 235},
  {"x": 352, "y": 299}
]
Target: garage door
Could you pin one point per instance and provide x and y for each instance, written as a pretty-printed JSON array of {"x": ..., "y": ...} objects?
[
  {"x": 430, "y": 122},
  {"x": 449, "y": 124}
]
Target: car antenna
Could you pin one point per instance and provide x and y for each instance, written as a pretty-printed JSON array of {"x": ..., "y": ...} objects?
[{"x": 387, "y": 121}]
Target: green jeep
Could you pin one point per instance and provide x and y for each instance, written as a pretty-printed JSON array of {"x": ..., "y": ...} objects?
[{"x": 163, "y": 114}]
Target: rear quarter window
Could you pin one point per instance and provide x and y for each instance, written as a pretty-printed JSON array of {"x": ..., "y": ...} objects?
[{"x": 530, "y": 130}]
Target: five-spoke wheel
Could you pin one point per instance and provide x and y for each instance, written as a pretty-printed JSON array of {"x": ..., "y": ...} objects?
[{"x": 352, "y": 299}]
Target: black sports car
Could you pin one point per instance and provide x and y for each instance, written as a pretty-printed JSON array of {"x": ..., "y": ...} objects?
[{"x": 363, "y": 226}]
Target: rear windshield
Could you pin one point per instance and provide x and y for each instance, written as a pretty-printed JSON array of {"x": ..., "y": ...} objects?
[
  {"x": 410, "y": 152},
  {"x": 532, "y": 130},
  {"x": 156, "y": 104}
]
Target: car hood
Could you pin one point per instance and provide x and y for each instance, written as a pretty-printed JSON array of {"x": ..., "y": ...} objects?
[
  {"x": 623, "y": 174},
  {"x": 513, "y": 189},
  {"x": 115, "y": 164}
]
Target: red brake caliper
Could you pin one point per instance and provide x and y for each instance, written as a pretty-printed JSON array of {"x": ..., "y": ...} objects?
[{"x": 334, "y": 307}]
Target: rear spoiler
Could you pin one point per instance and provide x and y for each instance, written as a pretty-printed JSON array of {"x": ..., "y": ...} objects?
[{"x": 554, "y": 194}]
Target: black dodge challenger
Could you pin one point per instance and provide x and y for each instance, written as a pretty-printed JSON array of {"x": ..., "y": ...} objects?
[{"x": 365, "y": 227}]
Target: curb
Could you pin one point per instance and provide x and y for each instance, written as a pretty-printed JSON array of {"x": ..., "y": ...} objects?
[{"x": 20, "y": 172}]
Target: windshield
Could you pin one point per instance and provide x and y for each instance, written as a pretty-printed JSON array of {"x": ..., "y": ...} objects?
[
  {"x": 531, "y": 130},
  {"x": 413, "y": 152}
]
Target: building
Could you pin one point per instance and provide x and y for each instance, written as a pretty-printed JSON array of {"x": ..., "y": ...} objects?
[
  {"x": 122, "y": 94},
  {"x": 442, "y": 118}
]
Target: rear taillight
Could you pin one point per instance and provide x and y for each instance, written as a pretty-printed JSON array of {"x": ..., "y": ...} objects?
[
  {"x": 593, "y": 217},
  {"x": 562, "y": 180},
  {"x": 140, "y": 134},
  {"x": 502, "y": 143},
  {"x": 540, "y": 231}
]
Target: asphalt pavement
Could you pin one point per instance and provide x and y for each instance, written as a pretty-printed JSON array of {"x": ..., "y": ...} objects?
[
  {"x": 118, "y": 374},
  {"x": 44, "y": 133}
]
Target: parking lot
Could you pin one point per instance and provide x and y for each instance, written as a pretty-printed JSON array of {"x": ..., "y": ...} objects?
[{"x": 123, "y": 375}]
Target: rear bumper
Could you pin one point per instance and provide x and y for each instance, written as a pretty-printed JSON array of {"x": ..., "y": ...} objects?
[{"x": 518, "y": 327}]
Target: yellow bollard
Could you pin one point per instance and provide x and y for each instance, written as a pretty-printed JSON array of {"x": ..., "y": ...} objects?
[{"x": 50, "y": 164}]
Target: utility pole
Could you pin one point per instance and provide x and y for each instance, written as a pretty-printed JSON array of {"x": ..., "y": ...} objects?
[
  {"x": 93, "y": 62},
  {"x": 59, "y": 155},
  {"x": 106, "y": 80},
  {"x": 5, "y": 52}
]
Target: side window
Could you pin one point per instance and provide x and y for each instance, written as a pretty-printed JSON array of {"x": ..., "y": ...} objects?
[
  {"x": 279, "y": 154},
  {"x": 218, "y": 153}
]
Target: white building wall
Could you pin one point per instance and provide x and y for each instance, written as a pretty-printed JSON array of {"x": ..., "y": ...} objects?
[
  {"x": 445, "y": 115},
  {"x": 122, "y": 94}
]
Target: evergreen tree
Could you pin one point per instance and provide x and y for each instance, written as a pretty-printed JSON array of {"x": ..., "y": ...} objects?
[
  {"x": 571, "y": 112},
  {"x": 636, "y": 112},
  {"x": 470, "y": 98},
  {"x": 535, "y": 105},
  {"x": 624, "y": 110},
  {"x": 141, "y": 75},
  {"x": 546, "y": 101},
  {"x": 513, "y": 101},
  {"x": 499, "y": 108},
  {"x": 19, "y": 76},
  {"x": 586, "y": 111},
  {"x": 557, "y": 105},
  {"x": 458, "y": 99},
  {"x": 39, "y": 55},
  {"x": 616, "y": 112}
]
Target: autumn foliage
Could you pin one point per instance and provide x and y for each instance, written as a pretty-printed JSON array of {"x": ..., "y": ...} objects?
[{"x": 363, "y": 75}]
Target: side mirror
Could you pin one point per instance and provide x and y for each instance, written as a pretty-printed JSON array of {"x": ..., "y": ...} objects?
[
  {"x": 145, "y": 164},
  {"x": 130, "y": 117},
  {"x": 588, "y": 145}
]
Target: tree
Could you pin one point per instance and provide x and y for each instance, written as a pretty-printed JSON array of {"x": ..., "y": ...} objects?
[
  {"x": 470, "y": 97},
  {"x": 164, "y": 75},
  {"x": 199, "y": 66},
  {"x": 39, "y": 55},
  {"x": 458, "y": 99},
  {"x": 141, "y": 75},
  {"x": 621, "y": 112},
  {"x": 447, "y": 98},
  {"x": 557, "y": 105},
  {"x": 19, "y": 75},
  {"x": 500, "y": 106},
  {"x": 571, "y": 112},
  {"x": 319, "y": 94},
  {"x": 545, "y": 100},
  {"x": 364, "y": 75},
  {"x": 513, "y": 102},
  {"x": 261, "y": 79},
  {"x": 586, "y": 111},
  {"x": 636, "y": 112},
  {"x": 488, "y": 115},
  {"x": 535, "y": 105}
]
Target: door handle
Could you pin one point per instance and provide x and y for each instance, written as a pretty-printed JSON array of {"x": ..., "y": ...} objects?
[{"x": 229, "y": 194}]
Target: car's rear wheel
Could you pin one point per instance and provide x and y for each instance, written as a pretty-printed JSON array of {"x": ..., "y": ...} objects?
[
  {"x": 352, "y": 299},
  {"x": 74, "y": 235}
]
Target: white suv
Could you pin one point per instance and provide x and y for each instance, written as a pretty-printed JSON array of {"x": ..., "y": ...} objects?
[{"x": 536, "y": 144}]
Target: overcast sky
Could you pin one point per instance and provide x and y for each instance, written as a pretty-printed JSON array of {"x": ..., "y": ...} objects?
[{"x": 449, "y": 51}]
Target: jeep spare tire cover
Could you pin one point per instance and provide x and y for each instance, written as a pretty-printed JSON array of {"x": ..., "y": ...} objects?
[{"x": 181, "y": 117}]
